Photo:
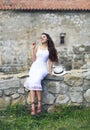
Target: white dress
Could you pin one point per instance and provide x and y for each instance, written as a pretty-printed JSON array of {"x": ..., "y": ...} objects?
[{"x": 37, "y": 71}]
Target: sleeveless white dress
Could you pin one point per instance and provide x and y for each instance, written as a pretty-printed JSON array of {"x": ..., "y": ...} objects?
[{"x": 37, "y": 71}]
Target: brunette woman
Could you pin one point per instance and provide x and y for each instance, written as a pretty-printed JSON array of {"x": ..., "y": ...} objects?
[{"x": 41, "y": 55}]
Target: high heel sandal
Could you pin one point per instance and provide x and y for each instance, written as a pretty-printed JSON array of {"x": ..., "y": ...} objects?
[
  {"x": 33, "y": 111},
  {"x": 39, "y": 107}
]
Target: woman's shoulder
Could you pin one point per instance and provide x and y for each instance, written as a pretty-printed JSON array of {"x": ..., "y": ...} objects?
[{"x": 38, "y": 47}]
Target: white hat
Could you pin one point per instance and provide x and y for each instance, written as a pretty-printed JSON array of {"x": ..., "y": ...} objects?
[{"x": 58, "y": 70}]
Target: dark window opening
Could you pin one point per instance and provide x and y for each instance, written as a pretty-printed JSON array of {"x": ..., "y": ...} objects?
[{"x": 62, "y": 38}]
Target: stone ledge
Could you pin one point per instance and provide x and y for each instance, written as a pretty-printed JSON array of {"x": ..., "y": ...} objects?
[
  {"x": 25, "y": 74},
  {"x": 71, "y": 88},
  {"x": 54, "y": 78}
]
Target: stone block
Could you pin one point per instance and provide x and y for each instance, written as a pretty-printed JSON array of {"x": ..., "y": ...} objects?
[
  {"x": 22, "y": 82},
  {"x": 28, "y": 99},
  {"x": 57, "y": 87},
  {"x": 54, "y": 78},
  {"x": 86, "y": 75},
  {"x": 76, "y": 97},
  {"x": 86, "y": 85},
  {"x": 4, "y": 102},
  {"x": 55, "y": 108},
  {"x": 11, "y": 83},
  {"x": 21, "y": 90},
  {"x": 62, "y": 99},
  {"x": 1, "y": 93},
  {"x": 74, "y": 78},
  {"x": 82, "y": 49},
  {"x": 48, "y": 98},
  {"x": 20, "y": 100},
  {"x": 87, "y": 58},
  {"x": 9, "y": 92},
  {"x": 77, "y": 64},
  {"x": 16, "y": 95},
  {"x": 87, "y": 95},
  {"x": 76, "y": 89},
  {"x": 0, "y": 59}
]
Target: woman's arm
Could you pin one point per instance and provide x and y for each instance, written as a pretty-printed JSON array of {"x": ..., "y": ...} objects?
[
  {"x": 50, "y": 64},
  {"x": 34, "y": 50}
]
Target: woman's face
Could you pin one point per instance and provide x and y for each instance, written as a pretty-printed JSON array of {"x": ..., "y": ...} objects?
[{"x": 44, "y": 38}]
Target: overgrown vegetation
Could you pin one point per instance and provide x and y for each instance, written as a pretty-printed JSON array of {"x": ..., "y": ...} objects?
[{"x": 70, "y": 118}]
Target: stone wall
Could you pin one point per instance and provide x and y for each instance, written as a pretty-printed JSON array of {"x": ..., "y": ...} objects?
[
  {"x": 72, "y": 89},
  {"x": 18, "y": 29}
]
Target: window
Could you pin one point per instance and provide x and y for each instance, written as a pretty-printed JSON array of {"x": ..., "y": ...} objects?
[{"x": 62, "y": 38}]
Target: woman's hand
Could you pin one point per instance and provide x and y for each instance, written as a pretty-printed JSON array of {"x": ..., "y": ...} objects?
[{"x": 34, "y": 45}]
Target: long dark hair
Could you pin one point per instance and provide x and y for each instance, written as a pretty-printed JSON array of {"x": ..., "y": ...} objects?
[{"x": 52, "y": 50}]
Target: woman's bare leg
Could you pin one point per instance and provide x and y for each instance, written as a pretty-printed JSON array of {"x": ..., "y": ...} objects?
[
  {"x": 32, "y": 99},
  {"x": 39, "y": 97}
]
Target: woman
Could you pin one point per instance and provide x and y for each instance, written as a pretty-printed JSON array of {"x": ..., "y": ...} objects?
[{"x": 40, "y": 56}]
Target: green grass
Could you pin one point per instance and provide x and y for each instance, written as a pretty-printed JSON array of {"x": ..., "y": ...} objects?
[{"x": 69, "y": 118}]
